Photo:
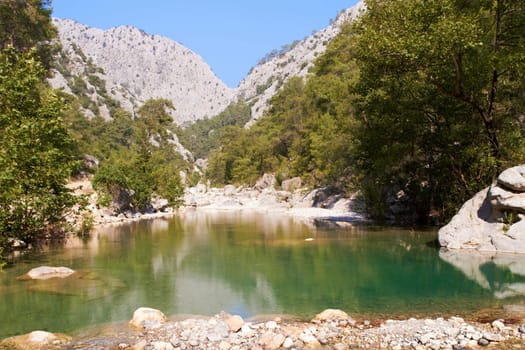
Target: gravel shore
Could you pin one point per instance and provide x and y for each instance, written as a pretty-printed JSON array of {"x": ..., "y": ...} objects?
[{"x": 331, "y": 329}]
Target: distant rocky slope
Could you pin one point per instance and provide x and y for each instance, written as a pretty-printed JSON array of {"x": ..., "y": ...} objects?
[
  {"x": 267, "y": 78},
  {"x": 130, "y": 66},
  {"x": 137, "y": 66}
]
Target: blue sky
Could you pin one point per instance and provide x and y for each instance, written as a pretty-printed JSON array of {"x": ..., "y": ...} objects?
[{"x": 231, "y": 35}]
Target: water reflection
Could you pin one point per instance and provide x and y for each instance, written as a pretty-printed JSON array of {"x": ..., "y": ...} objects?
[
  {"x": 502, "y": 274},
  {"x": 245, "y": 263}
]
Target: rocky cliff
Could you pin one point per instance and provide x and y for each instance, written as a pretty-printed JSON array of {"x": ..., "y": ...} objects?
[
  {"x": 269, "y": 76},
  {"x": 137, "y": 66}
]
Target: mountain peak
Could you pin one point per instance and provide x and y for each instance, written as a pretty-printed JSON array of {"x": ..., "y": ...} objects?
[{"x": 138, "y": 66}]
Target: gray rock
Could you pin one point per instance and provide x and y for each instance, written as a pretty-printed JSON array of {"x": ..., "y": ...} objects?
[
  {"x": 471, "y": 226},
  {"x": 234, "y": 323},
  {"x": 16, "y": 243},
  {"x": 230, "y": 190},
  {"x": 504, "y": 200},
  {"x": 145, "y": 317},
  {"x": 309, "y": 339},
  {"x": 47, "y": 272},
  {"x": 483, "y": 342},
  {"x": 513, "y": 178},
  {"x": 521, "y": 329},
  {"x": 486, "y": 222},
  {"x": 330, "y": 315},
  {"x": 493, "y": 337},
  {"x": 265, "y": 181},
  {"x": 291, "y": 185}
]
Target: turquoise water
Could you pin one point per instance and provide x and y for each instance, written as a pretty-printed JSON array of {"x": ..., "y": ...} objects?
[{"x": 249, "y": 265}]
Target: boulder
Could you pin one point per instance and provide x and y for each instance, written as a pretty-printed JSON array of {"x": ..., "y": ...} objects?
[
  {"x": 472, "y": 226},
  {"x": 145, "y": 317},
  {"x": 291, "y": 185},
  {"x": 234, "y": 322},
  {"x": 159, "y": 204},
  {"x": 230, "y": 190},
  {"x": 266, "y": 181},
  {"x": 492, "y": 219},
  {"x": 330, "y": 315},
  {"x": 504, "y": 200},
  {"x": 47, "y": 272},
  {"x": 34, "y": 340},
  {"x": 513, "y": 178}
]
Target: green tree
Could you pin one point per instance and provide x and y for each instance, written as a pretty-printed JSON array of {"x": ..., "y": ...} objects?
[
  {"x": 36, "y": 152},
  {"x": 146, "y": 164},
  {"x": 26, "y": 24},
  {"x": 437, "y": 90}
]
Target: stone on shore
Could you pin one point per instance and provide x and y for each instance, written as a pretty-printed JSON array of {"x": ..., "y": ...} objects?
[
  {"x": 47, "y": 272},
  {"x": 234, "y": 322},
  {"x": 34, "y": 340},
  {"x": 292, "y": 184},
  {"x": 145, "y": 317},
  {"x": 330, "y": 315}
]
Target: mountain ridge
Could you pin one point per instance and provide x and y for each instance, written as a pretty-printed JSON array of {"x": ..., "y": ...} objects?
[{"x": 137, "y": 66}]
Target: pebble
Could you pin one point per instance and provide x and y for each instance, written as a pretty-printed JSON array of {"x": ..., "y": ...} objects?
[
  {"x": 483, "y": 342},
  {"x": 219, "y": 332}
]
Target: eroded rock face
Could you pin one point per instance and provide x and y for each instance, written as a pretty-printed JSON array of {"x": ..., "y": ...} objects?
[{"x": 492, "y": 219}]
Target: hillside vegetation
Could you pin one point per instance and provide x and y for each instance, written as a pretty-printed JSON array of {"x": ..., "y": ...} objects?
[{"x": 416, "y": 102}]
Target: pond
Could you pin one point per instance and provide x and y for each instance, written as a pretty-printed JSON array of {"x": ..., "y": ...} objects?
[{"x": 252, "y": 264}]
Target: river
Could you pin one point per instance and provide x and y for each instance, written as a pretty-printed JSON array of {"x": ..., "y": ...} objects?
[{"x": 252, "y": 264}]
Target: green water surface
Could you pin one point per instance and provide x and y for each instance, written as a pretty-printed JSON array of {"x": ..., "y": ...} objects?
[{"x": 250, "y": 265}]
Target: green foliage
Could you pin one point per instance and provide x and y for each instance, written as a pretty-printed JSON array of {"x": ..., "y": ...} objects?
[
  {"x": 144, "y": 162},
  {"x": 36, "y": 152},
  {"x": 206, "y": 134},
  {"x": 421, "y": 98},
  {"x": 437, "y": 116},
  {"x": 305, "y": 133},
  {"x": 27, "y": 25}
]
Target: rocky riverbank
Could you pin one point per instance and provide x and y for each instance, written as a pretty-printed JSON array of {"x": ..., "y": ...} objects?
[
  {"x": 149, "y": 329},
  {"x": 291, "y": 199}
]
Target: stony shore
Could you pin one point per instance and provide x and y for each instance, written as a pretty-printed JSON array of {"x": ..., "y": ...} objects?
[{"x": 149, "y": 329}]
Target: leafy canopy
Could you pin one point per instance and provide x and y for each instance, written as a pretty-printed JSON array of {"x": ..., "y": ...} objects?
[
  {"x": 36, "y": 151},
  {"x": 437, "y": 111}
]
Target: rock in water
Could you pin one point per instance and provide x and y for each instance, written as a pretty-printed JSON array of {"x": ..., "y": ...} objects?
[
  {"x": 145, "y": 317},
  {"x": 47, "y": 272}
]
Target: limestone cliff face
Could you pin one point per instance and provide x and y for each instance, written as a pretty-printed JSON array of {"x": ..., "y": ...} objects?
[
  {"x": 137, "y": 66},
  {"x": 267, "y": 78}
]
